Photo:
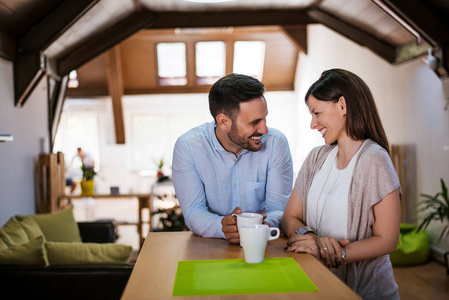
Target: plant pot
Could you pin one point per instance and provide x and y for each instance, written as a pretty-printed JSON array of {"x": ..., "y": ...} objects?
[{"x": 87, "y": 188}]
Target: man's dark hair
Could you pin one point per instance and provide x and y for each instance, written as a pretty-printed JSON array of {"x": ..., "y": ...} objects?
[{"x": 229, "y": 91}]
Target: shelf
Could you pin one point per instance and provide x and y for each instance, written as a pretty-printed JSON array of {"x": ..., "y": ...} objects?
[{"x": 6, "y": 138}]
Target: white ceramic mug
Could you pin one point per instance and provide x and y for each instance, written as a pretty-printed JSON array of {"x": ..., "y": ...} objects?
[
  {"x": 254, "y": 239},
  {"x": 247, "y": 219}
]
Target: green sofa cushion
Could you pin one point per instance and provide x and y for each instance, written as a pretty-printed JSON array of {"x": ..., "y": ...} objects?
[
  {"x": 29, "y": 253},
  {"x": 13, "y": 234},
  {"x": 58, "y": 226},
  {"x": 31, "y": 228},
  {"x": 3, "y": 245},
  {"x": 60, "y": 253}
]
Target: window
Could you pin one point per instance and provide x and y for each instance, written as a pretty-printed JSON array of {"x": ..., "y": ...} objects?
[
  {"x": 145, "y": 130},
  {"x": 210, "y": 61},
  {"x": 78, "y": 129},
  {"x": 171, "y": 61},
  {"x": 249, "y": 58}
]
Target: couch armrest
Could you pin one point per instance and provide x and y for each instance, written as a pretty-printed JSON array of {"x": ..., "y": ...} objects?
[{"x": 98, "y": 232}]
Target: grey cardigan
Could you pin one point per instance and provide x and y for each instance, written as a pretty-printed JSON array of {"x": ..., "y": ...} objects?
[{"x": 374, "y": 177}]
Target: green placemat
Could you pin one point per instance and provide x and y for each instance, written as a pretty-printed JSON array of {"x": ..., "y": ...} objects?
[{"x": 234, "y": 276}]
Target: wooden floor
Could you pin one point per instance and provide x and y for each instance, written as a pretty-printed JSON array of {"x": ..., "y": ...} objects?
[{"x": 428, "y": 281}]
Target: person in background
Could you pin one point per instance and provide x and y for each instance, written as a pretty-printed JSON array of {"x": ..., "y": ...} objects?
[
  {"x": 234, "y": 164},
  {"x": 345, "y": 205},
  {"x": 74, "y": 171},
  {"x": 69, "y": 180},
  {"x": 86, "y": 159}
]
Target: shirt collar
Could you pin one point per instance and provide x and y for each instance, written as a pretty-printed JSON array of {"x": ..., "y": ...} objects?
[{"x": 216, "y": 143}]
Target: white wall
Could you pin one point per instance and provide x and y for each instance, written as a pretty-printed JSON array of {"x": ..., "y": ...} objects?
[
  {"x": 410, "y": 99},
  {"x": 28, "y": 125}
]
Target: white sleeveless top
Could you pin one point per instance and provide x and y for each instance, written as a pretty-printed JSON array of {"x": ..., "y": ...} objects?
[{"x": 327, "y": 206}]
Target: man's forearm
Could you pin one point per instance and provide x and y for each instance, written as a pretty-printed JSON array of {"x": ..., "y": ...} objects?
[{"x": 205, "y": 224}]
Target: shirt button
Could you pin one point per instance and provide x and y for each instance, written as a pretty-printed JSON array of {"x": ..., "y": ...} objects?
[{"x": 235, "y": 185}]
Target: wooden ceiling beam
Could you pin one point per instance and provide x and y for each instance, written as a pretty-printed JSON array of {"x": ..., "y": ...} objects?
[
  {"x": 7, "y": 46},
  {"x": 57, "y": 91},
  {"x": 421, "y": 19},
  {"x": 30, "y": 65},
  {"x": 434, "y": 30},
  {"x": 28, "y": 70},
  {"x": 231, "y": 18},
  {"x": 298, "y": 35},
  {"x": 53, "y": 25},
  {"x": 105, "y": 40},
  {"x": 363, "y": 38},
  {"x": 116, "y": 90}
]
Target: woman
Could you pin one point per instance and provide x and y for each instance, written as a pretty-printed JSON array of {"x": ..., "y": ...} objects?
[{"x": 347, "y": 191}]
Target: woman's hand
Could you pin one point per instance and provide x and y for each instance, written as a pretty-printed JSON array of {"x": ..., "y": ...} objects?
[
  {"x": 306, "y": 243},
  {"x": 326, "y": 249},
  {"x": 330, "y": 251}
]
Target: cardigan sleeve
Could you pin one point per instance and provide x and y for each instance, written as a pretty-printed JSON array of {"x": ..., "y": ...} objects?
[{"x": 374, "y": 178}]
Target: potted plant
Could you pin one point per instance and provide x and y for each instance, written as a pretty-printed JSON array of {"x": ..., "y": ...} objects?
[
  {"x": 437, "y": 208},
  {"x": 160, "y": 174},
  {"x": 160, "y": 164},
  {"x": 87, "y": 184}
]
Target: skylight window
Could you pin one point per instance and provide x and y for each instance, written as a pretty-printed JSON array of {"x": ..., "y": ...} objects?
[
  {"x": 210, "y": 61},
  {"x": 249, "y": 58},
  {"x": 171, "y": 61}
]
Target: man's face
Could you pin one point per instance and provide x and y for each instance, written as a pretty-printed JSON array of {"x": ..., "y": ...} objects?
[{"x": 250, "y": 124}]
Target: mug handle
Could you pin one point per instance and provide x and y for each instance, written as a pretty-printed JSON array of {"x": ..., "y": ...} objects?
[{"x": 278, "y": 232}]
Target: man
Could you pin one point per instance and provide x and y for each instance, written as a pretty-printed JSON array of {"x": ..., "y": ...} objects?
[
  {"x": 86, "y": 159},
  {"x": 233, "y": 164}
]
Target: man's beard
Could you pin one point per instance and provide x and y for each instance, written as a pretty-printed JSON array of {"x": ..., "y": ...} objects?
[{"x": 234, "y": 136}]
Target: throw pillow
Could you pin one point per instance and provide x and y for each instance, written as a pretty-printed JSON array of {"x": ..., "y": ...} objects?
[
  {"x": 2, "y": 245},
  {"x": 31, "y": 228},
  {"x": 87, "y": 253},
  {"x": 13, "y": 234},
  {"x": 58, "y": 226},
  {"x": 30, "y": 253}
]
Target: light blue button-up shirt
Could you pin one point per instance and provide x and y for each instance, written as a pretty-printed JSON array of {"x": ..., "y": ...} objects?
[{"x": 210, "y": 181}]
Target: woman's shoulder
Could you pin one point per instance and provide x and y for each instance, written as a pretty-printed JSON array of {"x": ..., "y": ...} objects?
[
  {"x": 374, "y": 160},
  {"x": 372, "y": 151}
]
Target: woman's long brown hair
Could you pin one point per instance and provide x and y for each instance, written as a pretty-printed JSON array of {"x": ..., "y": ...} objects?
[{"x": 362, "y": 118}]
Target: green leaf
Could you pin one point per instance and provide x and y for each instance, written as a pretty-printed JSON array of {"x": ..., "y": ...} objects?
[{"x": 437, "y": 209}]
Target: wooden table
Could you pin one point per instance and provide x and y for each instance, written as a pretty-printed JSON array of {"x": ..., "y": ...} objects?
[
  {"x": 144, "y": 202},
  {"x": 155, "y": 270}
]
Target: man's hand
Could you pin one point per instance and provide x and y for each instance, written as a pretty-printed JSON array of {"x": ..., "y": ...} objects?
[
  {"x": 265, "y": 222},
  {"x": 229, "y": 227}
]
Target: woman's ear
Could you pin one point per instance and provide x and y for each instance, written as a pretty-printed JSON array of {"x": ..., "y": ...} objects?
[
  {"x": 342, "y": 103},
  {"x": 224, "y": 122}
]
